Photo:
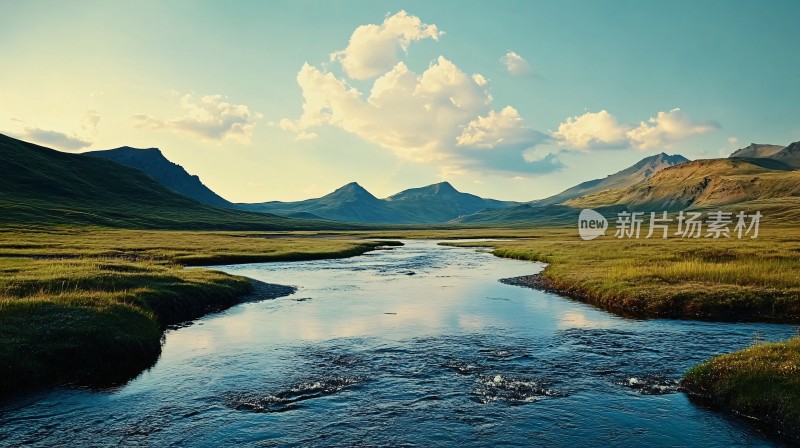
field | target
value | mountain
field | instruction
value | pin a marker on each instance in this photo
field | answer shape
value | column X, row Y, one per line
column 350, row 203
column 756, row 150
column 435, row 203
column 789, row 155
column 39, row 185
column 153, row 163
column 552, row 210
column 440, row 203
column 634, row 174
column 703, row 183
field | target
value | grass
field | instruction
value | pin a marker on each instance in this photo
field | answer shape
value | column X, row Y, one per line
column 90, row 305
column 41, row 186
column 762, row 381
column 725, row 279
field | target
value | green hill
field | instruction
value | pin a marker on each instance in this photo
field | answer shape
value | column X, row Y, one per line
column 39, row 185
column 173, row 176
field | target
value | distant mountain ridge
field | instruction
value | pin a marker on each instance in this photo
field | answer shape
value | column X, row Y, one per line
column 703, row 183
column 756, row 150
column 173, row 176
column 552, row 209
column 638, row 172
column 435, row 203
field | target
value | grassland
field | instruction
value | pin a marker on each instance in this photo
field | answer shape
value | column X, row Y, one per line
column 90, row 305
column 725, row 279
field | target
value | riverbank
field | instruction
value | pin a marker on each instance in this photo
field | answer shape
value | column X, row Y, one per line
column 723, row 280
column 89, row 306
column 761, row 382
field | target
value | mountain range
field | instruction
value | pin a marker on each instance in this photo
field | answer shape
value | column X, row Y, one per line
column 435, row 203
column 128, row 187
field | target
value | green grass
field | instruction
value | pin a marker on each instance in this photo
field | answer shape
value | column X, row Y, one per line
column 90, row 305
column 726, row 279
column 47, row 187
column 762, row 381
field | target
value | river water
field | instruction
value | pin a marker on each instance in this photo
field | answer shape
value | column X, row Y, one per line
column 418, row 345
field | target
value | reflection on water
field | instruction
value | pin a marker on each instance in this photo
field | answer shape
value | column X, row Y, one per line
column 414, row 346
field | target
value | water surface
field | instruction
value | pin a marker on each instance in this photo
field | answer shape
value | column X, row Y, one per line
column 414, row 346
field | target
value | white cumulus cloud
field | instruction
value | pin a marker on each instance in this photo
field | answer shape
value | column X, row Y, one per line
column 373, row 49
column 667, row 128
column 592, row 130
column 210, row 117
column 515, row 64
column 497, row 128
column 595, row 130
column 442, row 115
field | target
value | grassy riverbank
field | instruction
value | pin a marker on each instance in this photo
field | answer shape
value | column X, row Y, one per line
column 90, row 305
column 726, row 279
column 762, row 382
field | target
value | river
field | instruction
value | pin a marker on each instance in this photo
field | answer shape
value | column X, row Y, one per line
column 417, row 345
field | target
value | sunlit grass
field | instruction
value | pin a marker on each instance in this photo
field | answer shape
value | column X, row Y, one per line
column 762, row 381
column 90, row 304
column 752, row 279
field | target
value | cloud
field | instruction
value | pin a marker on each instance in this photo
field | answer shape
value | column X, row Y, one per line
column 497, row 129
column 667, row 128
column 515, row 64
column 81, row 138
column 373, row 49
column 442, row 115
column 598, row 130
column 210, row 118
column 592, row 130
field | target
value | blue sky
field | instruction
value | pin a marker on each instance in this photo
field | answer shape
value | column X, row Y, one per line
column 512, row 100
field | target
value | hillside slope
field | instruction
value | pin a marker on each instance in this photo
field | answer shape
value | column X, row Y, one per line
column 173, row 176
column 39, row 185
column 638, row 172
column 703, row 183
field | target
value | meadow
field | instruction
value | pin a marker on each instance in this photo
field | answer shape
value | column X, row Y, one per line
column 89, row 306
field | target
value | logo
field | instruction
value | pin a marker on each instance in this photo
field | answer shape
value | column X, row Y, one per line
column 591, row 224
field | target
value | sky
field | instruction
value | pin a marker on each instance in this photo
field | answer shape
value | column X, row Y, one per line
column 513, row 100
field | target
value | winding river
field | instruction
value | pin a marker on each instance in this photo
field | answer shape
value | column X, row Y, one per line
column 418, row 345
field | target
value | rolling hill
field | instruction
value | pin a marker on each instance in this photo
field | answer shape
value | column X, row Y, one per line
column 634, row 174
column 435, row 203
column 553, row 210
column 756, row 150
column 153, row 163
column 703, row 184
column 39, row 185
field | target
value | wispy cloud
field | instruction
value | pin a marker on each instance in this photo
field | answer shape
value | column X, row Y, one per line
column 211, row 117
column 516, row 64
column 80, row 138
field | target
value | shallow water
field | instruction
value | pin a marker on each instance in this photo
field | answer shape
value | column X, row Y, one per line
column 414, row 346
